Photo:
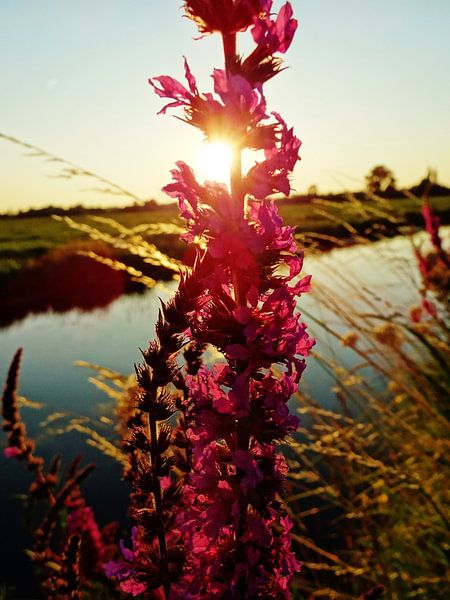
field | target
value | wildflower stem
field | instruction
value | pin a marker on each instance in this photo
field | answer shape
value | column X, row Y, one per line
column 230, row 53
column 238, row 198
column 158, row 501
column 242, row 435
column 243, row 443
column 236, row 179
column 229, row 50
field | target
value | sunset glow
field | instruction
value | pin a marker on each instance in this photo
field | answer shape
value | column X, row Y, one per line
column 214, row 162
column 87, row 97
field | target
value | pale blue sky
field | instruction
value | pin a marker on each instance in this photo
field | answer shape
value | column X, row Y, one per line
column 368, row 83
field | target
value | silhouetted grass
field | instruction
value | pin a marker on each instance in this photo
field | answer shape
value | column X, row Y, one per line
column 368, row 489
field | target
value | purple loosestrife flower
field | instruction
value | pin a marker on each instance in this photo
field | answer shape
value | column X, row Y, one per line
column 234, row 112
column 432, row 225
column 227, row 520
column 238, row 543
column 244, row 399
column 272, row 174
column 123, row 569
column 434, row 267
column 275, row 35
column 225, row 16
column 438, row 259
column 81, row 521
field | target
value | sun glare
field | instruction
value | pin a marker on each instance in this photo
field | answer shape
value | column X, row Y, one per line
column 214, row 162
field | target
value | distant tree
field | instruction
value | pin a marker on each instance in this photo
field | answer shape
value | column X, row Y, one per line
column 380, row 180
column 313, row 190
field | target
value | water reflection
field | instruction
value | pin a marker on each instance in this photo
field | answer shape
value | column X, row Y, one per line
column 107, row 328
column 72, row 281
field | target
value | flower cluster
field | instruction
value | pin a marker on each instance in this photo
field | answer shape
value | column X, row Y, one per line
column 434, row 266
column 208, row 504
column 432, row 225
column 224, row 16
column 238, row 544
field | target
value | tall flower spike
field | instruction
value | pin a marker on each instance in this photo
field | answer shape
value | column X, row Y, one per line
column 225, row 519
column 276, row 35
column 234, row 113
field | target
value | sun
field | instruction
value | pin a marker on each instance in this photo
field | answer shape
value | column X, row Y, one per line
column 214, row 162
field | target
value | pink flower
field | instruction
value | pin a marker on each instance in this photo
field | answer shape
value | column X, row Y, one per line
column 243, row 101
column 276, row 35
column 189, row 193
column 434, row 264
column 12, row 452
column 235, row 113
column 416, row 314
column 429, row 307
column 243, row 303
column 276, row 340
column 123, row 569
column 174, row 90
column 244, row 460
column 81, row 520
column 272, row 174
column 226, row 16
column 432, row 225
column 422, row 262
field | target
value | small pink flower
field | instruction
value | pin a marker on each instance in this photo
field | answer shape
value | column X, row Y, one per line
column 240, row 97
column 226, row 16
column 276, row 35
column 12, row 452
column 234, row 113
column 416, row 313
column 81, row 520
column 245, row 461
column 168, row 87
column 429, row 307
column 272, row 175
column 123, row 569
column 432, row 225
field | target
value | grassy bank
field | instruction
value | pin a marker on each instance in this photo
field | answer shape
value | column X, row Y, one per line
column 23, row 239
column 319, row 223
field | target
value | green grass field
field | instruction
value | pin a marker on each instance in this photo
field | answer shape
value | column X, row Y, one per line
column 26, row 238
